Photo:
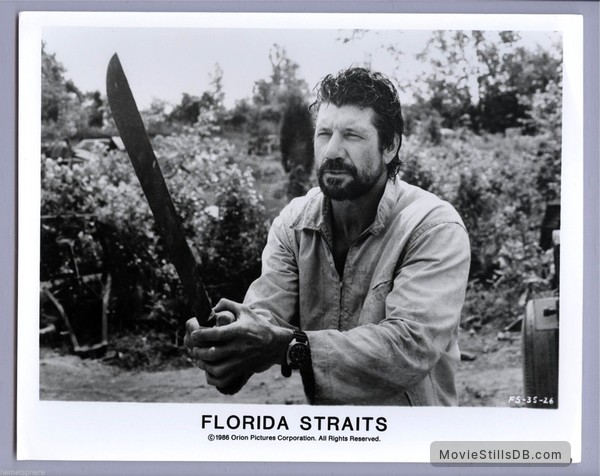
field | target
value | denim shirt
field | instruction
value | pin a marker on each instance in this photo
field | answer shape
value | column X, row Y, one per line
column 385, row 333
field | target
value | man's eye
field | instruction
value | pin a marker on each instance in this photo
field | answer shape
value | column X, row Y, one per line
column 353, row 135
column 323, row 134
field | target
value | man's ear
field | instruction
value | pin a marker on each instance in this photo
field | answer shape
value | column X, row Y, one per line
column 390, row 152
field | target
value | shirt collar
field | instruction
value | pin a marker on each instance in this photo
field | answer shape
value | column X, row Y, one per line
column 317, row 211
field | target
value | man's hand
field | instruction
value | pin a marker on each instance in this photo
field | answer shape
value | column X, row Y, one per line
column 243, row 343
column 222, row 319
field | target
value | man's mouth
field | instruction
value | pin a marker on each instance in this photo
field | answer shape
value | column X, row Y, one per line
column 338, row 172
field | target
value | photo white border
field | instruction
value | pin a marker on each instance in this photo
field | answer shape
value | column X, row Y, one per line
column 51, row 430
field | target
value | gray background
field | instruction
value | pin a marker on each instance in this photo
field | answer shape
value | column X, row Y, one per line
column 8, row 236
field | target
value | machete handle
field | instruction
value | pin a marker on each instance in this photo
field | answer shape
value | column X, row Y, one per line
column 238, row 383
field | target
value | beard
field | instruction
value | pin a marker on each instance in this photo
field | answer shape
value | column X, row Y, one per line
column 340, row 188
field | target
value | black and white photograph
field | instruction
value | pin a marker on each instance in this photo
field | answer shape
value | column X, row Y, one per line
column 301, row 215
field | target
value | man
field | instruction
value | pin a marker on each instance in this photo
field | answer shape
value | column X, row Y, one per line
column 363, row 278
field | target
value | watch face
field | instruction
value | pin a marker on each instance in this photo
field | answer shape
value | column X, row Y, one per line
column 298, row 355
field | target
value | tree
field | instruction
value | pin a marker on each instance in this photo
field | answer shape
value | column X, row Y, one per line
column 202, row 110
column 187, row 111
column 156, row 117
column 95, row 106
column 297, row 148
column 61, row 101
column 514, row 75
column 479, row 79
column 283, row 80
column 217, row 92
column 271, row 97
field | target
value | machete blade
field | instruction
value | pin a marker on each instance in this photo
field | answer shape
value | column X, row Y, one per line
column 133, row 133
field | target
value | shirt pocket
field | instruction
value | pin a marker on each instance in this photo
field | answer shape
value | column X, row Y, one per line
column 373, row 311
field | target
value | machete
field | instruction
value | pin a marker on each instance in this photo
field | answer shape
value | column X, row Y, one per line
column 133, row 133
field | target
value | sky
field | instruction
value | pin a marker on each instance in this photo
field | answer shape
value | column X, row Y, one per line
column 163, row 63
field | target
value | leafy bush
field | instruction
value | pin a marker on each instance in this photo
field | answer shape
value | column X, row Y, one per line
column 99, row 208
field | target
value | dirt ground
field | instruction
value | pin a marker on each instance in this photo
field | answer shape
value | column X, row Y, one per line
column 488, row 380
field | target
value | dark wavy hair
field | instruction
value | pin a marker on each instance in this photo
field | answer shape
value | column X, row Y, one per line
column 365, row 88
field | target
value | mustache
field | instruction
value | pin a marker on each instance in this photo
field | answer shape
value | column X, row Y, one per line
column 337, row 165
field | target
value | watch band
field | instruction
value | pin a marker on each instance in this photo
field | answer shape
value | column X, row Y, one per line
column 300, row 336
column 286, row 370
column 297, row 355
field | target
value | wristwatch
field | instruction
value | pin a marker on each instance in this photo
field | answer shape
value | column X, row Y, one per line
column 298, row 354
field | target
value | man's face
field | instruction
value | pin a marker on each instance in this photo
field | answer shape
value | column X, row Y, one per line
column 347, row 154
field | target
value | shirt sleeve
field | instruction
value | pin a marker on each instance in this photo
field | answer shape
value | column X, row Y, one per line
column 275, row 293
column 422, row 314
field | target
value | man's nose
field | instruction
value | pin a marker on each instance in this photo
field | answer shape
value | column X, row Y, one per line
column 334, row 147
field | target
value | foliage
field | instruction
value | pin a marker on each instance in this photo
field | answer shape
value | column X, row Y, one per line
column 156, row 118
column 283, row 80
column 544, row 118
column 99, row 206
column 220, row 206
column 271, row 97
column 61, row 111
column 480, row 79
column 297, row 150
column 205, row 109
column 67, row 113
